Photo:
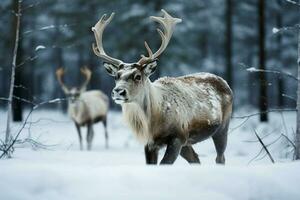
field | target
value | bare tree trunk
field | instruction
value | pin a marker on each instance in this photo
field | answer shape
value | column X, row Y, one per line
column 251, row 86
column 297, row 140
column 13, row 68
column 58, row 57
column 228, row 43
column 17, row 104
column 281, row 87
column 263, row 99
column 280, row 78
column 29, row 70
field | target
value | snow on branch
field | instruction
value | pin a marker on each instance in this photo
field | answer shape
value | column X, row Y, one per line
column 32, row 5
column 283, row 29
column 18, row 98
column 40, row 47
column 31, row 58
column 289, row 97
column 48, row 28
column 255, row 70
column 293, row 2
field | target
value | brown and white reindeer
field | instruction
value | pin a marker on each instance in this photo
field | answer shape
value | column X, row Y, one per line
column 85, row 108
column 172, row 112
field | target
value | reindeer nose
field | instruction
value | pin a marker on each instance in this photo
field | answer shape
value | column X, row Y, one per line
column 120, row 92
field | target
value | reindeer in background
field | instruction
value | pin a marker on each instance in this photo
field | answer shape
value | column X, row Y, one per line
column 85, row 108
column 172, row 112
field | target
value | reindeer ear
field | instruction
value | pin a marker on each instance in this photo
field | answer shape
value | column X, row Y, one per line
column 110, row 68
column 149, row 68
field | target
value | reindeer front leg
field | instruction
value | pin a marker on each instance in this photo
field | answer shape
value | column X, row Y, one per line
column 172, row 151
column 151, row 154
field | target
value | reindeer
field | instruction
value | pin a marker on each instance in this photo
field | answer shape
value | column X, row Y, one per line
column 172, row 112
column 85, row 108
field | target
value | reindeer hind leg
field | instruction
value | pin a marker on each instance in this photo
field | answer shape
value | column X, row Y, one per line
column 220, row 141
column 106, row 133
column 89, row 136
column 79, row 135
column 92, row 135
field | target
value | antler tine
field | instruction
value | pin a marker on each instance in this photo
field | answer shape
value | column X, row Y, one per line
column 59, row 73
column 98, row 32
column 87, row 73
column 168, row 24
column 145, row 59
column 150, row 53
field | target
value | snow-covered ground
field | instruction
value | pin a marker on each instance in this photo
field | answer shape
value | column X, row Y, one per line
column 61, row 171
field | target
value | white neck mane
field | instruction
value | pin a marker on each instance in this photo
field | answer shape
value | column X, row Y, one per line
column 138, row 114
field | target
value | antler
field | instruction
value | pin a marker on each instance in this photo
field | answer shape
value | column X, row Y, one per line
column 98, row 31
column 168, row 23
column 59, row 73
column 87, row 73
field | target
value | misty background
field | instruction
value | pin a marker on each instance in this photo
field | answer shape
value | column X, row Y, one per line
column 218, row 36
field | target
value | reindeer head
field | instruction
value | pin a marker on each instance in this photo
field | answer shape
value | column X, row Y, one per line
column 73, row 93
column 131, row 77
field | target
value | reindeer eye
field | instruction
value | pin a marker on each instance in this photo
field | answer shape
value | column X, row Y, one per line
column 137, row 77
column 136, row 65
column 121, row 66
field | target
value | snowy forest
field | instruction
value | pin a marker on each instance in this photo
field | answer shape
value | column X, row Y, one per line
column 71, row 127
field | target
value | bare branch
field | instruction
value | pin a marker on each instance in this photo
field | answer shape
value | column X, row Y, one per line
column 268, row 111
column 34, row 144
column 23, row 100
column 53, row 101
column 46, row 119
column 18, row 98
column 44, row 28
column 255, row 70
column 260, row 151
column 289, row 140
column 284, row 29
column 21, row 86
column 28, row 59
column 265, row 136
column 289, row 97
column 257, row 159
column 238, row 126
column 32, row 5
column 264, row 146
column 8, row 147
column 277, row 139
column 283, row 122
column 293, row 2
column 4, row 99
